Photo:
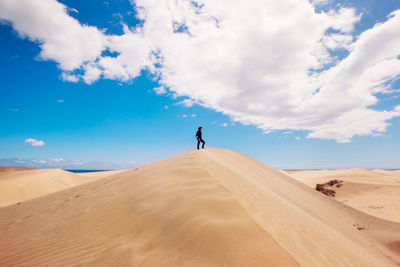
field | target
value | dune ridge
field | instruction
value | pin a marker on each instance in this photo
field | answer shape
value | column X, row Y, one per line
column 14, row 168
column 211, row 207
column 19, row 184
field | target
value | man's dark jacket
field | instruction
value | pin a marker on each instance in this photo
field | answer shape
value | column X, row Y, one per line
column 198, row 134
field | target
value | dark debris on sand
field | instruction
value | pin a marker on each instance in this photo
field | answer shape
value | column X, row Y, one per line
column 326, row 188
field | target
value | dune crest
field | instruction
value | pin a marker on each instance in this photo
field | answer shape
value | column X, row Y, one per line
column 13, row 169
column 211, row 207
column 19, row 184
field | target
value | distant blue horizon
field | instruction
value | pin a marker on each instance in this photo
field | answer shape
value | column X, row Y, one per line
column 83, row 171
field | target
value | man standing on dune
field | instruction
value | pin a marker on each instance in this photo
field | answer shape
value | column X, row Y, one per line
column 199, row 139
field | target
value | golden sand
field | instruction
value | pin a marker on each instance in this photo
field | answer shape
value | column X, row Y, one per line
column 211, row 207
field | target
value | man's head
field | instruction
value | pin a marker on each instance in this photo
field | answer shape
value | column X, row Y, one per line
column 200, row 128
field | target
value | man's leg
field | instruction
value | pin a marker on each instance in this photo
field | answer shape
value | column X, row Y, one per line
column 203, row 143
column 198, row 144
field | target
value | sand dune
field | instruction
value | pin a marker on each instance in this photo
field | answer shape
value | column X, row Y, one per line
column 13, row 169
column 205, row 208
column 376, row 192
column 18, row 184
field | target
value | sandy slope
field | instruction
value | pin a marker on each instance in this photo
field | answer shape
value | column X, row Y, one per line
column 19, row 184
column 205, row 208
column 13, row 169
column 376, row 192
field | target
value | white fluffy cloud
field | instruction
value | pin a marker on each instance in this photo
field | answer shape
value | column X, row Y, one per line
column 34, row 142
column 335, row 41
column 269, row 65
column 160, row 90
column 61, row 37
column 187, row 103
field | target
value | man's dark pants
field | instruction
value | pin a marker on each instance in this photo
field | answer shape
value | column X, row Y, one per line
column 198, row 143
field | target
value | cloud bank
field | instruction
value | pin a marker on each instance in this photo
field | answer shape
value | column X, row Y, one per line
column 274, row 64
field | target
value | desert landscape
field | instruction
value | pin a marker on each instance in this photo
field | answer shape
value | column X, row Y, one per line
column 375, row 192
column 200, row 133
column 211, row 207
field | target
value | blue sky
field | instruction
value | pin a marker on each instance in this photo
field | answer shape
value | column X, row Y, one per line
column 116, row 118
